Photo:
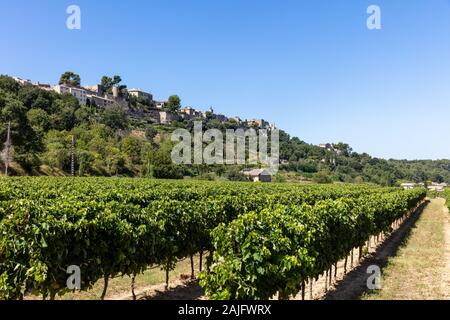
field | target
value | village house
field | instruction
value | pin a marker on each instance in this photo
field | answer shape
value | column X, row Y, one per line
column 259, row 123
column 157, row 113
column 78, row 93
column 97, row 90
column 160, row 104
column 103, row 102
column 408, row 186
column 138, row 93
column 190, row 113
column 330, row 147
column 23, row 81
column 43, row 86
column 236, row 119
column 258, row 175
column 438, row 187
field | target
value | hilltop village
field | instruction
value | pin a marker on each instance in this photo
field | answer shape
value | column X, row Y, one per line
column 138, row 103
column 108, row 129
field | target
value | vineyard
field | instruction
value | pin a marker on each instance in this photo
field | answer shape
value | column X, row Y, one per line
column 447, row 197
column 263, row 239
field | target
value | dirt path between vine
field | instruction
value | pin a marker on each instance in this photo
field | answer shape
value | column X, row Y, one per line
column 446, row 273
column 354, row 284
column 414, row 264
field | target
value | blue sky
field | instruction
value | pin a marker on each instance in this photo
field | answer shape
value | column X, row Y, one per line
column 312, row 67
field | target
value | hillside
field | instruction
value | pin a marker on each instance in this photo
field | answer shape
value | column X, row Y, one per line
column 121, row 141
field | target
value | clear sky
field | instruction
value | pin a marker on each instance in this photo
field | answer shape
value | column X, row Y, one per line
column 312, row 67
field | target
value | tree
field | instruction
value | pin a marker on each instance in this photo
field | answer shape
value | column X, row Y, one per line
column 37, row 98
column 132, row 146
column 22, row 134
column 71, row 79
column 344, row 148
column 7, row 153
column 85, row 114
column 322, row 177
column 57, row 152
column 150, row 133
column 174, row 103
column 9, row 84
column 160, row 163
column 38, row 119
column 234, row 174
column 438, row 178
column 108, row 83
column 115, row 117
column 64, row 117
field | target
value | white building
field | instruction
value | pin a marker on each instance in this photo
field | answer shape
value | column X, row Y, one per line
column 23, row 81
column 438, row 187
column 160, row 104
column 78, row 93
column 258, row 175
column 408, row 186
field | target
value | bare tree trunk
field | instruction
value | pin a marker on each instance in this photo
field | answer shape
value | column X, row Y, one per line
column 105, row 286
column 311, row 288
column 192, row 267
column 208, row 267
column 345, row 264
column 303, row 290
column 201, row 261
column 133, row 283
column 167, row 277
column 351, row 259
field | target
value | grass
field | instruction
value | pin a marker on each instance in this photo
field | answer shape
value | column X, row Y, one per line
column 416, row 272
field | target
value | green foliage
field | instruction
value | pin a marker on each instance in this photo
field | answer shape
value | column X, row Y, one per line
column 71, row 79
column 8, row 84
column 235, row 174
column 174, row 103
column 282, row 246
column 38, row 119
column 108, row 84
column 115, row 117
column 447, row 197
column 323, row 177
column 114, row 227
column 160, row 163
